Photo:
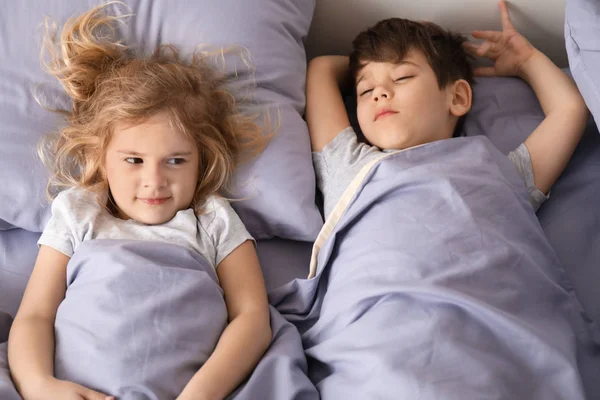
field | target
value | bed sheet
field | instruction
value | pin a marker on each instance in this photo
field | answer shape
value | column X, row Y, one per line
column 281, row 260
column 507, row 111
column 462, row 277
column 18, row 250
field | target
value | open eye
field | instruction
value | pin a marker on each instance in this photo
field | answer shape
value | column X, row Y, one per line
column 134, row 160
column 175, row 161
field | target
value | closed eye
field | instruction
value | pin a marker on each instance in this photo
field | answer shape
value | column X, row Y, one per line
column 365, row 92
column 134, row 160
column 403, row 78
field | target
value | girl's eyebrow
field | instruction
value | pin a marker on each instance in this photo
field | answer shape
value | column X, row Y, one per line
column 137, row 154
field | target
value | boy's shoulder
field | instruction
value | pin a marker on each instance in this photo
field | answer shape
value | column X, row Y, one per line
column 347, row 141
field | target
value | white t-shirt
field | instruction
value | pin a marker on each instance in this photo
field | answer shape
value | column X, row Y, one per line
column 77, row 216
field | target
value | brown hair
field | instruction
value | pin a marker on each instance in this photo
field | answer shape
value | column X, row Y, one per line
column 390, row 40
column 108, row 85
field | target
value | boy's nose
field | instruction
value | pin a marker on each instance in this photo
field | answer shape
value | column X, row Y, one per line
column 381, row 93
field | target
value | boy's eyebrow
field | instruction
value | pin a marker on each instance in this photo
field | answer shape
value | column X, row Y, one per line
column 137, row 154
column 361, row 77
column 408, row 62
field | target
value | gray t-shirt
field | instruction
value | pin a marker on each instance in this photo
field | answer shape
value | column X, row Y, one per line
column 341, row 160
column 77, row 216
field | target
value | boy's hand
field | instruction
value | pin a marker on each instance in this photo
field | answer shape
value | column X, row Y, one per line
column 508, row 49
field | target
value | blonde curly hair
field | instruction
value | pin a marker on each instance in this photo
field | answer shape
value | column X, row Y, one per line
column 108, row 86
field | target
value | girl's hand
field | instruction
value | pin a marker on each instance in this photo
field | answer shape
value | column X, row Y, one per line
column 56, row 389
column 508, row 49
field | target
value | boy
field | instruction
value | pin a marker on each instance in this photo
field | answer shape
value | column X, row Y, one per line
column 432, row 277
column 413, row 85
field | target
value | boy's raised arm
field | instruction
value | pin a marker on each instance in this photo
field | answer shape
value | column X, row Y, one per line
column 325, row 111
column 553, row 142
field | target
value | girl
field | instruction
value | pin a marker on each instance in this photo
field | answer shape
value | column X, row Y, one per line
column 148, row 146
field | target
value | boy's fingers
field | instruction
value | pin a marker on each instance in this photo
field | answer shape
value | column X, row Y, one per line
column 485, row 71
column 483, row 48
column 470, row 47
column 504, row 15
column 487, row 35
column 479, row 50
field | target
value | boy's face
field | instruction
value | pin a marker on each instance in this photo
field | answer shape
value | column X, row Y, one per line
column 401, row 105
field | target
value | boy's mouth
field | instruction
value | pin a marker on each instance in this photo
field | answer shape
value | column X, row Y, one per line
column 383, row 113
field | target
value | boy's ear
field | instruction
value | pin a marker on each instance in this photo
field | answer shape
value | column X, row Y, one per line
column 461, row 98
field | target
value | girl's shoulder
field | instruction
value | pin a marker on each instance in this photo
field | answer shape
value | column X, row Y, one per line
column 77, row 201
column 216, row 204
column 219, row 218
column 220, row 228
column 215, row 208
column 76, row 194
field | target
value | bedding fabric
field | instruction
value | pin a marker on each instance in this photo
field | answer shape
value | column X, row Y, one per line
column 279, row 186
column 148, row 315
column 18, row 251
column 7, row 389
column 280, row 260
column 435, row 280
column 5, row 323
column 582, row 40
column 506, row 111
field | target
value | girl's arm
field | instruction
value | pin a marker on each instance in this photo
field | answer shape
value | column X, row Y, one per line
column 248, row 334
column 31, row 339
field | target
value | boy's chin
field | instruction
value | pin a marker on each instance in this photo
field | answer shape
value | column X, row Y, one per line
column 391, row 142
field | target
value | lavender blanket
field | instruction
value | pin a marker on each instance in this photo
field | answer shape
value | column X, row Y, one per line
column 432, row 279
column 140, row 318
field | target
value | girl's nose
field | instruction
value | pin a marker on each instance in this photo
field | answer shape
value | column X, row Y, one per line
column 154, row 177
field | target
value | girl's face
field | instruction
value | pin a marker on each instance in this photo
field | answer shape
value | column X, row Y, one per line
column 152, row 170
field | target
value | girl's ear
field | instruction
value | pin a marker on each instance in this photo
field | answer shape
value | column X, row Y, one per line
column 461, row 98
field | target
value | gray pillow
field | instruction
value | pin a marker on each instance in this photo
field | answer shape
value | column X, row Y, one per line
column 582, row 39
column 279, row 185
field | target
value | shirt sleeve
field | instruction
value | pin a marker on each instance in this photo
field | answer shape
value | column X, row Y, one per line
column 60, row 232
column 338, row 163
column 521, row 158
column 225, row 228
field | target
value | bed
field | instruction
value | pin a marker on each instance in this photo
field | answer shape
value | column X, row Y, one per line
column 281, row 211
